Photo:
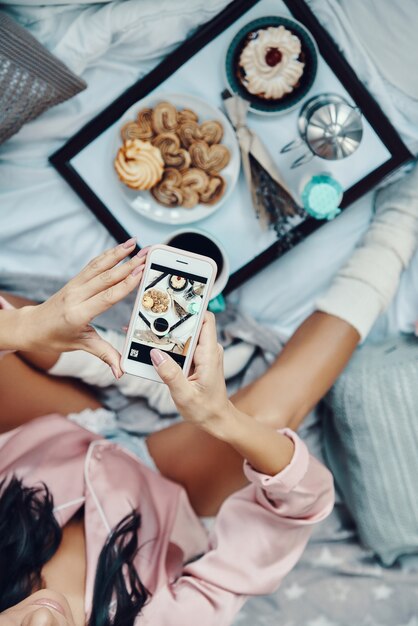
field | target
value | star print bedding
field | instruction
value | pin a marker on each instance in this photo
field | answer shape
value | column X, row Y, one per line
column 45, row 230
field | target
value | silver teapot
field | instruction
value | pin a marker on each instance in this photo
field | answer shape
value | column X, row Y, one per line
column 329, row 127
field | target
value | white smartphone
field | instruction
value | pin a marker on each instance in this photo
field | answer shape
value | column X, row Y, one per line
column 169, row 308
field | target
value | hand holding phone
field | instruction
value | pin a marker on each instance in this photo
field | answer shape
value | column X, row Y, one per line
column 202, row 397
column 169, row 309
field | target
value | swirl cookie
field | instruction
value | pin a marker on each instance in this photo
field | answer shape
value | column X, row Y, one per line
column 147, row 302
column 185, row 115
column 139, row 164
column 164, row 118
column 140, row 129
column 210, row 131
column 168, row 192
column 144, row 121
column 171, row 151
column 131, row 130
column 194, row 183
column 211, row 159
column 213, row 191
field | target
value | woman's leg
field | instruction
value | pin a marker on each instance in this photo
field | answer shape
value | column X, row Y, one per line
column 305, row 370
column 27, row 393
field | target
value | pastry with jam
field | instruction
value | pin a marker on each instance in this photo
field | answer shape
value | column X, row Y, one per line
column 271, row 62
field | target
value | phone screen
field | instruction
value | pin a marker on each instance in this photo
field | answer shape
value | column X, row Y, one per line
column 169, row 310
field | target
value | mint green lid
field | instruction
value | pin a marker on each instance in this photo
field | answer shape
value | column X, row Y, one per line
column 321, row 197
column 194, row 307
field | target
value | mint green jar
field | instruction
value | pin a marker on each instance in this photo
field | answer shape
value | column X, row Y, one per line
column 321, row 197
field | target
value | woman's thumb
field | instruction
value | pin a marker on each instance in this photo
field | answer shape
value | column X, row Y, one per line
column 105, row 351
column 171, row 374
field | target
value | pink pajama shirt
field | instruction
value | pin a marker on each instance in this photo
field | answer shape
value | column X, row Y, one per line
column 259, row 534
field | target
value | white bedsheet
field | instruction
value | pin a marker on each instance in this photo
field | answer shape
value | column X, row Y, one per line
column 45, row 228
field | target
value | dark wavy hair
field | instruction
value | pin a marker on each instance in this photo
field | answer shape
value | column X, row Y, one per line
column 30, row 536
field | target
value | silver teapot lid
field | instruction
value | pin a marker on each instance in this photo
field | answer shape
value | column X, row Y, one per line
column 331, row 127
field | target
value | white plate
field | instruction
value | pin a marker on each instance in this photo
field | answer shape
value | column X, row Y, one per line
column 151, row 313
column 143, row 202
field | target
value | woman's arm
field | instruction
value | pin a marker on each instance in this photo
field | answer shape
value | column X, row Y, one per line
column 62, row 323
column 11, row 329
column 202, row 399
column 259, row 535
column 212, row 468
column 260, row 531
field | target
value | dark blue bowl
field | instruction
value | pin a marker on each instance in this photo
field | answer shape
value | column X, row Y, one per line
column 308, row 55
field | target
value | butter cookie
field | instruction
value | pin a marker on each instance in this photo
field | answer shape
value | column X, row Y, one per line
column 210, row 131
column 211, row 159
column 168, row 191
column 139, row 164
column 171, row 151
column 164, row 118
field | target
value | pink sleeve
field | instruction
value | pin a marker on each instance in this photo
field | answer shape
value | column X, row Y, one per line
column 259, row 535
column 5, row 305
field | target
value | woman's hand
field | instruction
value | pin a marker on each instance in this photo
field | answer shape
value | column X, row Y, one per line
column 62, row 323
column 202, row 397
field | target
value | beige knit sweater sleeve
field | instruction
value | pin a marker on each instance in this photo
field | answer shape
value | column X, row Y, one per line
column 365, row 285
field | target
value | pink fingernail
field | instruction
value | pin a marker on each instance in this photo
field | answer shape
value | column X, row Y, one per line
column 137, row 270
column 128, row 244
column 143, row 252
column 157, row 357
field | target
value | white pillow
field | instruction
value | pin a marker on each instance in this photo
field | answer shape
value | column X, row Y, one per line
column 387, row 30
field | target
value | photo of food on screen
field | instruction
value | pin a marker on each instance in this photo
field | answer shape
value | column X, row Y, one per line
column 168, row 313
